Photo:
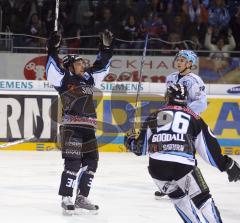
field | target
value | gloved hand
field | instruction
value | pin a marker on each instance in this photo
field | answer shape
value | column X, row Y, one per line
column 54, row 41
column 130, row 139
column 233, row 170
column 106, row 38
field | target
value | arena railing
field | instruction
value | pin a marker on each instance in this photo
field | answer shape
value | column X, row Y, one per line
column 24, row 43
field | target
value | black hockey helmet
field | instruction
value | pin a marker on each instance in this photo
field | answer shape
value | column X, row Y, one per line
column 68, row 60
column 176, row 94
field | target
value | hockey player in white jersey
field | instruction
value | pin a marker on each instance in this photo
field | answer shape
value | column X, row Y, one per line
column 171, row 136
column 184, row 61
column 197, row 100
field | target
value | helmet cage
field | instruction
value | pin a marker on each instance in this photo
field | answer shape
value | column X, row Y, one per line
column 176, row 94
column 68, row 60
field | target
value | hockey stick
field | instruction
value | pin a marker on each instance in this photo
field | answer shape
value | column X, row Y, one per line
column 56, row 16
column 37, row 131
column 140, row 81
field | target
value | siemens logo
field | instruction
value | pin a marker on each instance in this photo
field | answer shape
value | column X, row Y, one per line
column 16, row 85
column 120, row 87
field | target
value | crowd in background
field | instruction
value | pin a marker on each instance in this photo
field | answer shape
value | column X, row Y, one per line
column 205, row 24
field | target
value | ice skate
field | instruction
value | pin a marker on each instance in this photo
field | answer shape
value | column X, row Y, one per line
column 84, row 206
column 67, row 205
column 159, row 195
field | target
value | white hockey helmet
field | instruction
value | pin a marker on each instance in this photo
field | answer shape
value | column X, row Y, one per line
column 189, row 55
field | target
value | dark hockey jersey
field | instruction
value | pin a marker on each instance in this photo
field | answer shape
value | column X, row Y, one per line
column 175, row 134
column 76, row 92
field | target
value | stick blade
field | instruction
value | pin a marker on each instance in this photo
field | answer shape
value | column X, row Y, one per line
column 38, row 127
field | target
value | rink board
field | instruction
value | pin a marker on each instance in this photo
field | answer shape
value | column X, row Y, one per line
column 235, row 150
column 115, row 116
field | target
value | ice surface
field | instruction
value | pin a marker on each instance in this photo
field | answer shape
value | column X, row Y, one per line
column 122, row 188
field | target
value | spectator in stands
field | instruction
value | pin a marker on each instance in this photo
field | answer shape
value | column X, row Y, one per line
column 221, row 47
column 142, row 8
column 235, row 26
column 143, row 28
column 219, row 60
column 174, row 44
column 74, row 43
column 196, row 11
column 157, row 30
column 177, row 25
column 82, row 14
column 106, row 22
column 233, row 6
column 15, row 15
column 194, row 43
column 196, row 30
column 130, row 32
column 218, row 15
column 36, row 28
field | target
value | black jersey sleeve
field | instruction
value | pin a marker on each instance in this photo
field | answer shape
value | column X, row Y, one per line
column 208, row 147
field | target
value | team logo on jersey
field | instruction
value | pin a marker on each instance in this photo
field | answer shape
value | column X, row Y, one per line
column 234, row 90
column 186, row 83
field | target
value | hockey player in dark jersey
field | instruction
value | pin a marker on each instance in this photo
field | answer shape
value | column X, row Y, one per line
column 171, row 136
column 197, row 100
column 75, row 82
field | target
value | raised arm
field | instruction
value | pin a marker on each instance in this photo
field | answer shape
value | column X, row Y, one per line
column 101, row 66
column 55, row 73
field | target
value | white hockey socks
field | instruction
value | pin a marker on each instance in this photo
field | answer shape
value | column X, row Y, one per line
column 210, row 212
column 186, row 210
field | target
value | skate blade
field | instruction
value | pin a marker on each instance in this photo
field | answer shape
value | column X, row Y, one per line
column 81, row 211
column 68, row 212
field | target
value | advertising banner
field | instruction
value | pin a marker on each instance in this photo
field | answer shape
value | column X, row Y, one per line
column 125, row 68
column 110, row 87
column 220, row 70
column 122, row 68
column 18, row 117
column 115, row 117
column 222, row 115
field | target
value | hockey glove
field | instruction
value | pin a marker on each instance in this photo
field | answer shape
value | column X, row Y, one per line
column 106, row 38
column 130, row 139
column 54, row 41
column 233, row 170
column 132, row 142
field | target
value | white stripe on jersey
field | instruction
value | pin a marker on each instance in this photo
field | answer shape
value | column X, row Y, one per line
column 54, row 74
column 101, row 74
column 174, row 157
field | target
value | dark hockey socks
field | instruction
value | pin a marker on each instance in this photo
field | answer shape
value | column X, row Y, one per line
column 67, row 183
column 85, row 182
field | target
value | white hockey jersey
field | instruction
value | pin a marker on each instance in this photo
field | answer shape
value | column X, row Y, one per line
column 197, row 99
